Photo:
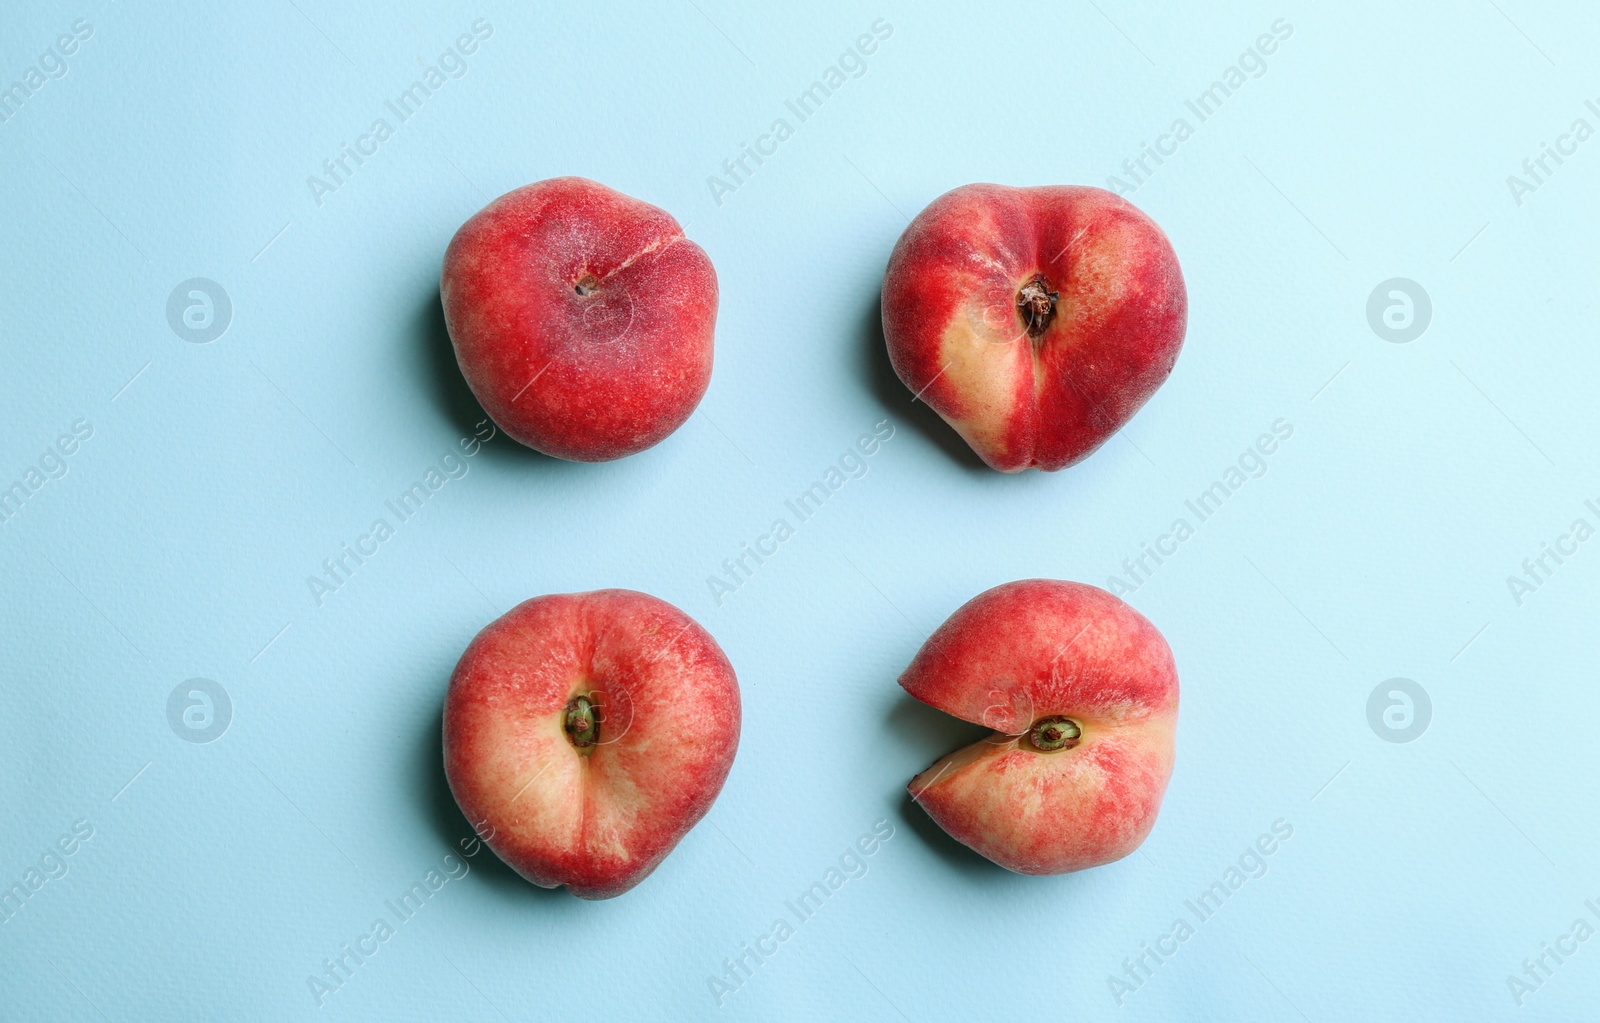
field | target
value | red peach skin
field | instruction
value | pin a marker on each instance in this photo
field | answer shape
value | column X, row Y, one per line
column 597, row 819
column 582, row 318
column 1110, row 313
column 1032, row 651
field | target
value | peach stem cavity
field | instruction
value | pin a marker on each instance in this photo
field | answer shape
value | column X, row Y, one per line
column 581, row 724
column 1037, row 304
column 1052, row 735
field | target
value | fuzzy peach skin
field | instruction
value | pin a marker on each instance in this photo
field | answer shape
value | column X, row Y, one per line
column 582, row 318
column 1042, row 376
column 596, row 818
column 1029, row 652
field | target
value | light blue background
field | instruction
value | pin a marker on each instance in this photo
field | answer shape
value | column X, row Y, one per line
column 1419, row 476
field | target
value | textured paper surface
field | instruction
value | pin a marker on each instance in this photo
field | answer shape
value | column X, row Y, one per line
column 1376, row 542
